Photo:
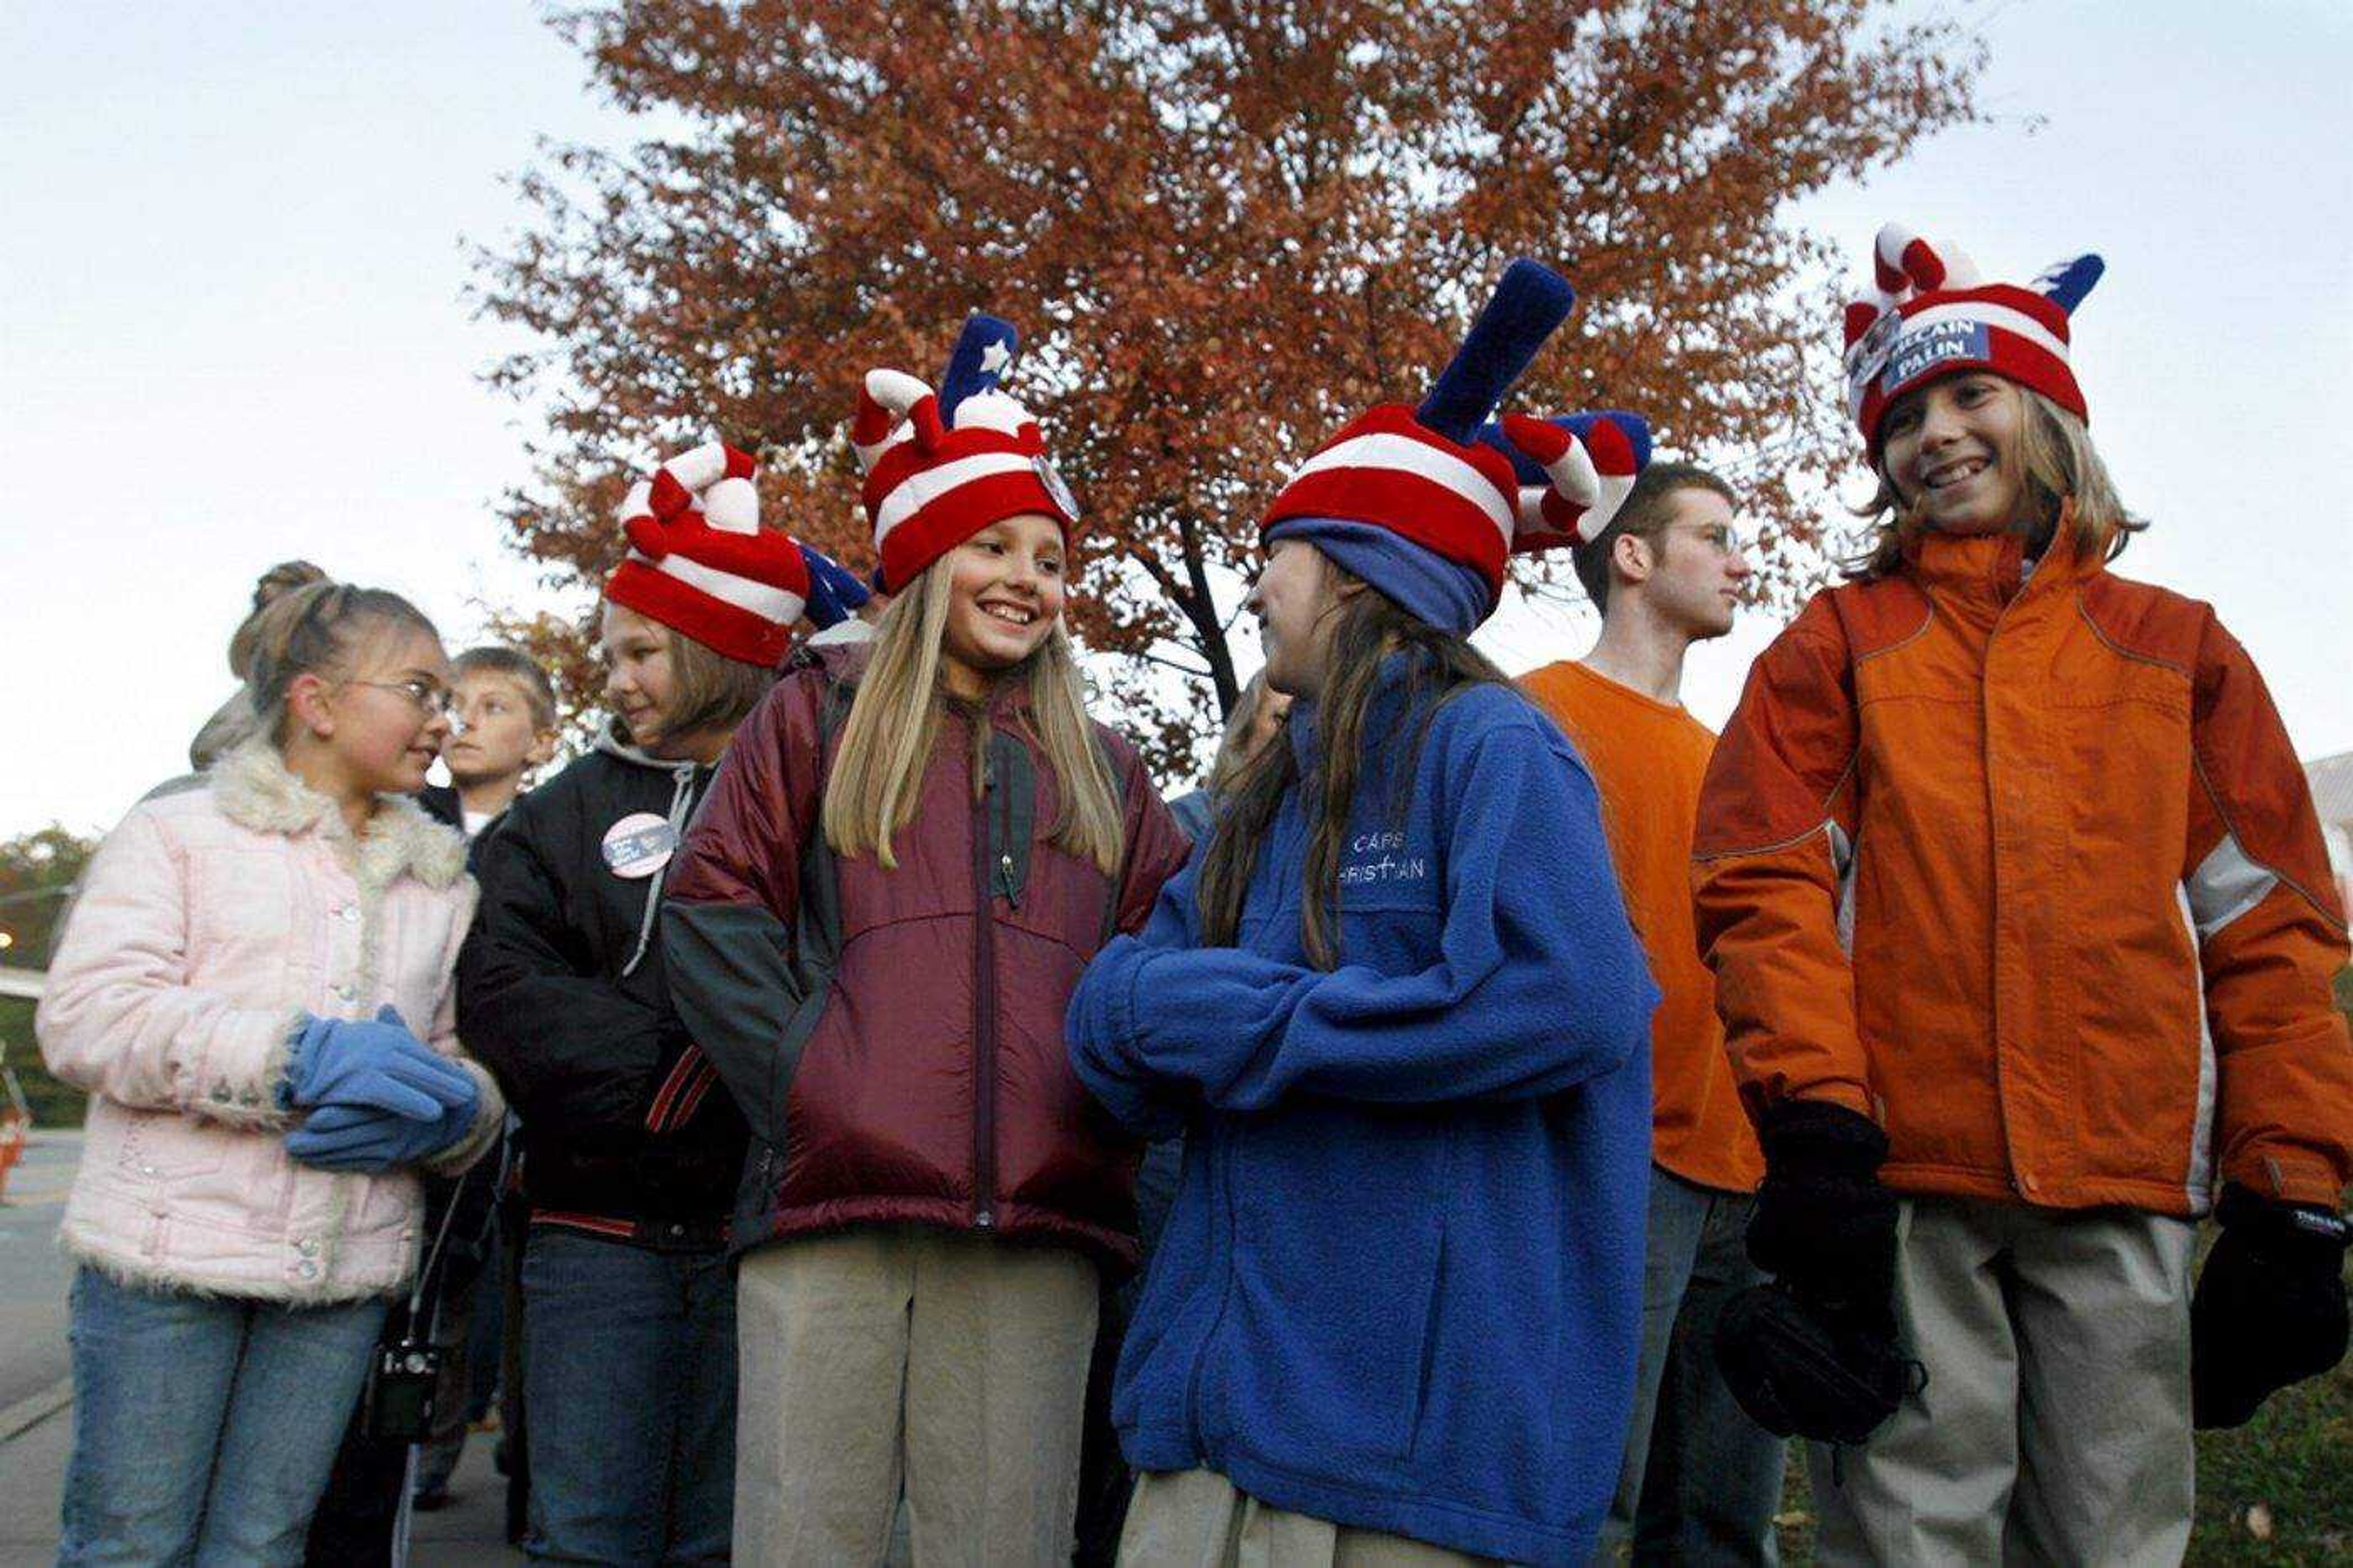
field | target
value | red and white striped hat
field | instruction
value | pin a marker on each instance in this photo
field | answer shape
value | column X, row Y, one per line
column 931, row 485
column 700, row 563
column 1929, row 315
column 1386, row 469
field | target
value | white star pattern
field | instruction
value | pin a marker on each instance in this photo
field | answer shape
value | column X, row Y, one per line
column 995, row 357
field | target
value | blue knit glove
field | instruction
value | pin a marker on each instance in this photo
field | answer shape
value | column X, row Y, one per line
column 835, row 593
column 360, row 1137
column 378, row 1063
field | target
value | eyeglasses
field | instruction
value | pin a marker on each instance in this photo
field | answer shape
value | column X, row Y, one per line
column 427, row 697
column 1714, row 534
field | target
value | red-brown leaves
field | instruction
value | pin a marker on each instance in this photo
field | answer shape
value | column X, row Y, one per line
column 1222, row 227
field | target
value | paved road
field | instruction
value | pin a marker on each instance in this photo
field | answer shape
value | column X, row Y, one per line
column 33, row 1363
column 33, row 1273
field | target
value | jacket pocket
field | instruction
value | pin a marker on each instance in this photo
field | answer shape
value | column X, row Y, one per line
column 800, row 1032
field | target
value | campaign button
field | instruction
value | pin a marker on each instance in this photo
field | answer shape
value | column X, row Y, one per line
column 640, row 845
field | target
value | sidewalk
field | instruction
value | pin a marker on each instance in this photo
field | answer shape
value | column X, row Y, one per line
column 37, row 1410
column 33, row 1473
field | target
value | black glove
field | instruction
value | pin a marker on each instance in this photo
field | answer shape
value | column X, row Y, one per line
column 1824, row 1225
column 2270, row 1306
column 1800, row 1372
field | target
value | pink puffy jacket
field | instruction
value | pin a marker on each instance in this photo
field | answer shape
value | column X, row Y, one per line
column 210, row 920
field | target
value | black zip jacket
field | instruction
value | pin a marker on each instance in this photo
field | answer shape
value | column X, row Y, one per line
column 626, row 1129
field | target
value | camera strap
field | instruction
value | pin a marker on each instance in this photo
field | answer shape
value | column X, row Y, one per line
column 433, row 1253
column 403, row 1515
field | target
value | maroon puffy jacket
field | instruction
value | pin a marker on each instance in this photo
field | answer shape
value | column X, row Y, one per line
column 900, row 1058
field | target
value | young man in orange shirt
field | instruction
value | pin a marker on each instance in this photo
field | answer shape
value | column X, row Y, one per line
column 1701, row 1480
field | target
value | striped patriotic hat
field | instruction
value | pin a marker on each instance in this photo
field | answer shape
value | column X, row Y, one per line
column 1930, row 315
column 1574, row 471
column 1425, row 474
column 700, row 563
column 941, row 465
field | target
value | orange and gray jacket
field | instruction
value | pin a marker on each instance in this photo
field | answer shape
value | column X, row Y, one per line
column 2019, row 863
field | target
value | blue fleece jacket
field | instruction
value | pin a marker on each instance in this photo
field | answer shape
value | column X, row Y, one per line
column 1401, row 1284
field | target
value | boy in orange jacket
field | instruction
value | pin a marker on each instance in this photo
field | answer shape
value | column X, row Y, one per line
column 2023, row 934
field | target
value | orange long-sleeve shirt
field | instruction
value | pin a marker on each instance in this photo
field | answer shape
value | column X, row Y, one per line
column 1649, row 758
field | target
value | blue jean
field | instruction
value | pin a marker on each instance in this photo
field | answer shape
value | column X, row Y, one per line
column 1700, row 1482
column 203, row 1426
column 629, row 1376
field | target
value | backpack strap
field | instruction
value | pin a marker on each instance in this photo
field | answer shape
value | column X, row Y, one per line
column 816, row 934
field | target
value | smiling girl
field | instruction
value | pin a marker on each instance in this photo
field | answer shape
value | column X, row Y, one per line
column 2023, row 932
column 914, row 846
column 232, row 990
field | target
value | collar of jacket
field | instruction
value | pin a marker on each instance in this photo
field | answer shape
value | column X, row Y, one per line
column 256, row 790
column 1008, row 704
column 1994, row 565
column 1381, row 714
column 1008, row 701
column 609, row 742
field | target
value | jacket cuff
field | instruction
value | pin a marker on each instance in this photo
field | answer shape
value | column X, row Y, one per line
column 236, row 1082
column 490, row 1114
column 2289, row 1178
column 1123, row 1027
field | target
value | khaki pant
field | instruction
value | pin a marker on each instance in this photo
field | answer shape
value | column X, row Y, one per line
column 1195, row 1518
column 955, row 1365
column 2055, row 1425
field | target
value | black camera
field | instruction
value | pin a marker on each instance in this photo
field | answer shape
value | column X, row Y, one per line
column 397, row 1406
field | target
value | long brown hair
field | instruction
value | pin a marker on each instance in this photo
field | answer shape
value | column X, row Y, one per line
column 894, row 721
column 2065, row 478
column 710, row 692
column 1234, row 747
column 1370, row 626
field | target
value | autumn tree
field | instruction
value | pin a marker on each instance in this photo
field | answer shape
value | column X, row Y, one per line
column 1223, row 226
column 38, row 871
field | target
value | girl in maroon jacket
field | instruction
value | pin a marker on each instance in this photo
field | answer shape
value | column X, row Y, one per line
column 910, row 855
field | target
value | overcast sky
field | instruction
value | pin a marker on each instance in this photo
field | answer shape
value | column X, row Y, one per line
column 232, row 327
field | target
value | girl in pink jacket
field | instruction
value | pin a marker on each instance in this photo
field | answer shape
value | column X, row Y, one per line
column 234, row 990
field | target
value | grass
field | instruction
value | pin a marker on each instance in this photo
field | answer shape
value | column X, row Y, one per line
column 2278, row 1491
column 2294, row 1462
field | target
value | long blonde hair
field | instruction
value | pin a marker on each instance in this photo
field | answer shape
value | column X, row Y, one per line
column 2062, row 467
column 894, row 721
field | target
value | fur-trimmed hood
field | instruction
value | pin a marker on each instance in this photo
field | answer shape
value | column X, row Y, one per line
column 256, row 790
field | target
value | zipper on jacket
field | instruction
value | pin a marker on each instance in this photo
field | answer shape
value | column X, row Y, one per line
column 1005, row 878
column 1993, row 833
column 1221, row 1190
column 984, row 1016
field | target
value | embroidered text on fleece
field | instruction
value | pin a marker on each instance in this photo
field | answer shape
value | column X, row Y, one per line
column 1400, row 1285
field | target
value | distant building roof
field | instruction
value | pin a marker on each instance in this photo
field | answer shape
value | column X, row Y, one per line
column 2331, row 779
column 2332, row 786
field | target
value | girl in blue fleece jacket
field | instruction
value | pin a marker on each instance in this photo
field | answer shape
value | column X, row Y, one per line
column 1399, row 1290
